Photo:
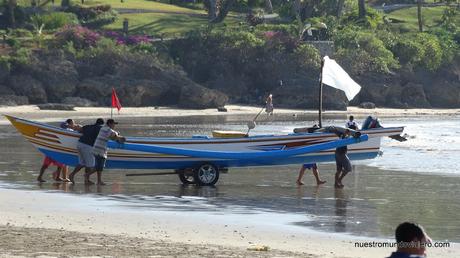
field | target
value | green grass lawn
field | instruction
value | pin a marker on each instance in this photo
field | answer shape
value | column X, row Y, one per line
column 431, row 17
column 164, row 24
column 175, row 19
column 128, row 4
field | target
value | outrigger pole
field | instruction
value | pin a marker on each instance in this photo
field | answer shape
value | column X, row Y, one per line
column 320, row 97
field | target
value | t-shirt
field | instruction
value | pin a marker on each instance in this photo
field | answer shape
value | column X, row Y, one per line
column 100, row 146
column 352, row 125
column 89, row 134
column 343, row 149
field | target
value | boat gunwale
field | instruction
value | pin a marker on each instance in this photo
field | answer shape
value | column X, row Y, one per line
column 189, row 140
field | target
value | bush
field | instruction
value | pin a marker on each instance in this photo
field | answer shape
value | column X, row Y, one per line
column 54, row 20
column 408, row 50
column 450, row 47
column 433, row 53
column 121, row 39
column 5, row 64
column 12, row 42
column 21, row 56
column 289, row 29
column 308, row 57
column 20, row 33
column 372, row 20
column 94, row 16
column 81, row 37
column 367, row 52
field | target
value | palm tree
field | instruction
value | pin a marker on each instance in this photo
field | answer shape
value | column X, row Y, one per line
column 419, row 15
column 11, row 6
column 340, row 4
column 362, row 8
column 269, row 6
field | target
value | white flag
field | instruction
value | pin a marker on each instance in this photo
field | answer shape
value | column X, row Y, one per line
column 336, row 77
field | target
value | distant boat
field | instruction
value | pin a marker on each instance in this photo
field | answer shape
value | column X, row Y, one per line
column 201, row 159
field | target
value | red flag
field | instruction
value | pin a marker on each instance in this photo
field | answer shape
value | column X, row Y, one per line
column 115, row 102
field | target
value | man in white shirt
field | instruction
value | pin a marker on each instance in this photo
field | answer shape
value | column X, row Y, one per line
column 352, row 124
column 106, row 133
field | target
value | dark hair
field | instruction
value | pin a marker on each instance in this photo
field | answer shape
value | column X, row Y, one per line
column 352, row 118
column 110, row 121
column 408, row 231
column 100, row 121
column 70, row 120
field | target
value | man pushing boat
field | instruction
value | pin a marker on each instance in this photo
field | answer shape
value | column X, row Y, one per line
column 106, row 133
column 85, row 150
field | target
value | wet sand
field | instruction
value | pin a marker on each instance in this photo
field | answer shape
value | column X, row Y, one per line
column 48, row 223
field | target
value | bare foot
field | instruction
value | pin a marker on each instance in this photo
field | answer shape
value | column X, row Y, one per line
column 320, row 182
column 65, row 180
column 100, row 183
column 89, row 182
column 55, row 176
column 71, row 178
column 58, row 179
column 40, row 180
column 299, row 182
column 338, row 186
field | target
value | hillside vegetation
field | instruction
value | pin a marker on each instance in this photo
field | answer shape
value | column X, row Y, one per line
column 231, row 51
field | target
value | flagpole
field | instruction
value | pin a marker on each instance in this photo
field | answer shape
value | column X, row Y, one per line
column 320, row 97
column 111, row 112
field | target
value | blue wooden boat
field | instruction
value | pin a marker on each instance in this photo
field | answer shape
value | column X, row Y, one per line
column 201, row 159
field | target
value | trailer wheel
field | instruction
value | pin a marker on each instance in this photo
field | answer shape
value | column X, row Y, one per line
column 206, row 174
column 186, row 177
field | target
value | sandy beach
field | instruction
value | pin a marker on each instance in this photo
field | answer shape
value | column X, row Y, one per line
column 45, row 223
column 34, row 113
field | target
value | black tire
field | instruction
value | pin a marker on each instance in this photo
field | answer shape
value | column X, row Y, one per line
column 206, row 174
column 185, row 177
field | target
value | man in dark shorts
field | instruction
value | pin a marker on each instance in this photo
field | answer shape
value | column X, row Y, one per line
column 341, row 160
column 85, row 150
column 314, row 168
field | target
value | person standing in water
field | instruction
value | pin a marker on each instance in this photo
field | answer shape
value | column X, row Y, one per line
column 342, row 161
column 68, row 125
column 269, row 105
column 106, row 133
column 85, row 150
column 314, row 168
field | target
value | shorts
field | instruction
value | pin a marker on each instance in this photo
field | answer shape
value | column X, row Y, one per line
column 343, row 163
column 85, row 155
column 310, row 166
column 48, row 162
column 100, row 162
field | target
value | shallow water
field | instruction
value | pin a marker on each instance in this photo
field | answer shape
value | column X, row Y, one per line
column 416, row 180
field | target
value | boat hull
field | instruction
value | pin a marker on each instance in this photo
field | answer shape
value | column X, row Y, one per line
column 60, row 145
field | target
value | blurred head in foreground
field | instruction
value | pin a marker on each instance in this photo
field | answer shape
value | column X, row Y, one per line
column 411, row 238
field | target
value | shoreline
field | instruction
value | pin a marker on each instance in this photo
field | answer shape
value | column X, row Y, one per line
column 167, row 232
column 32, row 112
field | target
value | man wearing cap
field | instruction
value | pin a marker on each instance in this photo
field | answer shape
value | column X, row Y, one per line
column 85, row 149
column 411, row 240
column 106, row 133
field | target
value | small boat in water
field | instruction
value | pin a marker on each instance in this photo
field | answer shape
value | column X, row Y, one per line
column 200, row 159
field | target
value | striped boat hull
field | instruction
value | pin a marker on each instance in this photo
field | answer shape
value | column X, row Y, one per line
column 60, row 145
